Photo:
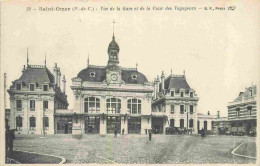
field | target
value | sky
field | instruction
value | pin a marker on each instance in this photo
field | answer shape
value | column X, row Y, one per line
column 219, row 50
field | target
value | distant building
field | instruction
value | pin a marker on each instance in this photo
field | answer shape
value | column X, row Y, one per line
column 34, row 98
column 242, row 112
column 205, row 121
column 174, row 105
column 111, row 97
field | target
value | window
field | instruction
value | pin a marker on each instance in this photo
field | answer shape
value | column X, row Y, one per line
column 191, row 109
column 251, row 92
column 46, row 123
column 91, row 104
column 19, row 105
column 113, row 105
column 172, row 109
column 181, row 123
column 32, row 123
column 191, row 123
column 238, row 111
column 172, row 93
column 18, row 86
column 249, row 109
column 45, row 87
column 182, row 94
column 191, row 94
column 134, row 106
column 19, row 123
column 171, row 122
column 31, row 87
column 45, row 105
column 182, row 109
column 32, row 105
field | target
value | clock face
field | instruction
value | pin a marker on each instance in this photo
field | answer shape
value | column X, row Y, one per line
column 114, row 77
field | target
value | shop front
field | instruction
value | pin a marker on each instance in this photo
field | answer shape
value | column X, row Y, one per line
column 157, row 125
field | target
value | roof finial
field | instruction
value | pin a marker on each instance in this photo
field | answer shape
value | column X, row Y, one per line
column 113, row 29
column 88, row 59
column 171, row 71
column 136, row 65
column 45, row 60
column 27, row 57
column 184, row 72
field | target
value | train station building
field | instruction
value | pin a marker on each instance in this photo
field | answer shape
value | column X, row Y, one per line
column 111, row 97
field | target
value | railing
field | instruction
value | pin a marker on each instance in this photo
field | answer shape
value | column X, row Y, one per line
column 36, row 66
column 32, row 109
column 32, row 128
column 129, row 69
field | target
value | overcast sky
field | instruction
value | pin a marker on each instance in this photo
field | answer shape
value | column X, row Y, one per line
column 219, row 50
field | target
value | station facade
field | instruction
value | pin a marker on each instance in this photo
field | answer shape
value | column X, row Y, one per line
column 174, row 104
column 34, row 98
column 111, row 97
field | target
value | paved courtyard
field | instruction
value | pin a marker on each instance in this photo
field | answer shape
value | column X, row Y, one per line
column 165, row 149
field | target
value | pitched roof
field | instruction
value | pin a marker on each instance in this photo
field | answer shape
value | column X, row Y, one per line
column 246, row 94
column 38, row 74
column 100, row 75
column 176, row 82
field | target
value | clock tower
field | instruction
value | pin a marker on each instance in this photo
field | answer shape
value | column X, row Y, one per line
column 113, row 70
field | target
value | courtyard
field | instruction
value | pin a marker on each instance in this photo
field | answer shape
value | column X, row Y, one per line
column 137, row 149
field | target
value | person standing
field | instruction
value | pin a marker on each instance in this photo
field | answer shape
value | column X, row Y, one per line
column 115, row 132
column 150, row 135
column 123, row 131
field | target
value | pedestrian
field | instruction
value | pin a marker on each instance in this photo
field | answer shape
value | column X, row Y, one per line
column 123, row 131
column 145, row 131
column 7, row 142
column 150, row 135
column 202, row 132
column 115, row 132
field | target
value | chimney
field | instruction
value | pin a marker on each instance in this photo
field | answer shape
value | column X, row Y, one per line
column 155, row 90
column 157, row 85
column 58, row 80
column 55, row 72
column 208, row 113
column 162, row 78
column 64, row 84
column 218, row 114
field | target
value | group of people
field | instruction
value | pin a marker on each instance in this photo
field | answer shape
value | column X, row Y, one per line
column 123, row 132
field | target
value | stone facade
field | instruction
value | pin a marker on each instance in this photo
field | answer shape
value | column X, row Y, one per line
column 242, row 112
column 34, row 97
column 109, row 98
column 174, row 102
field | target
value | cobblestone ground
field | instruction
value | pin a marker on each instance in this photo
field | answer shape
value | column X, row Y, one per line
column 165, row 149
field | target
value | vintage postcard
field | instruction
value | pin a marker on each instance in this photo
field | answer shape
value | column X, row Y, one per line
column 130, row 82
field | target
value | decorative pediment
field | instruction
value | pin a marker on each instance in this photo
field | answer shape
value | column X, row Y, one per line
column 76, row 79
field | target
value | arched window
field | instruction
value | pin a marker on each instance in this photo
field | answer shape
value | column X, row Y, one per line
column 32, row 123
column 113, row 105
column 19, row 123
column 134, row 106
column 91, row 104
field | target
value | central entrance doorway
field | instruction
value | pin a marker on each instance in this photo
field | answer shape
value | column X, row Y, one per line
column 157, row 125
column 92, row 124
column 134, row 125
column 112, row 123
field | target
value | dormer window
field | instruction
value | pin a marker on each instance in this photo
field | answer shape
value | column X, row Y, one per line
column 134, row 77
column 251, row 92
column 172, row 93
column 45, row 87
column 191, row 94
column 18, row 86
column 182, row 93
column 31, row 87
column 92, row 74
